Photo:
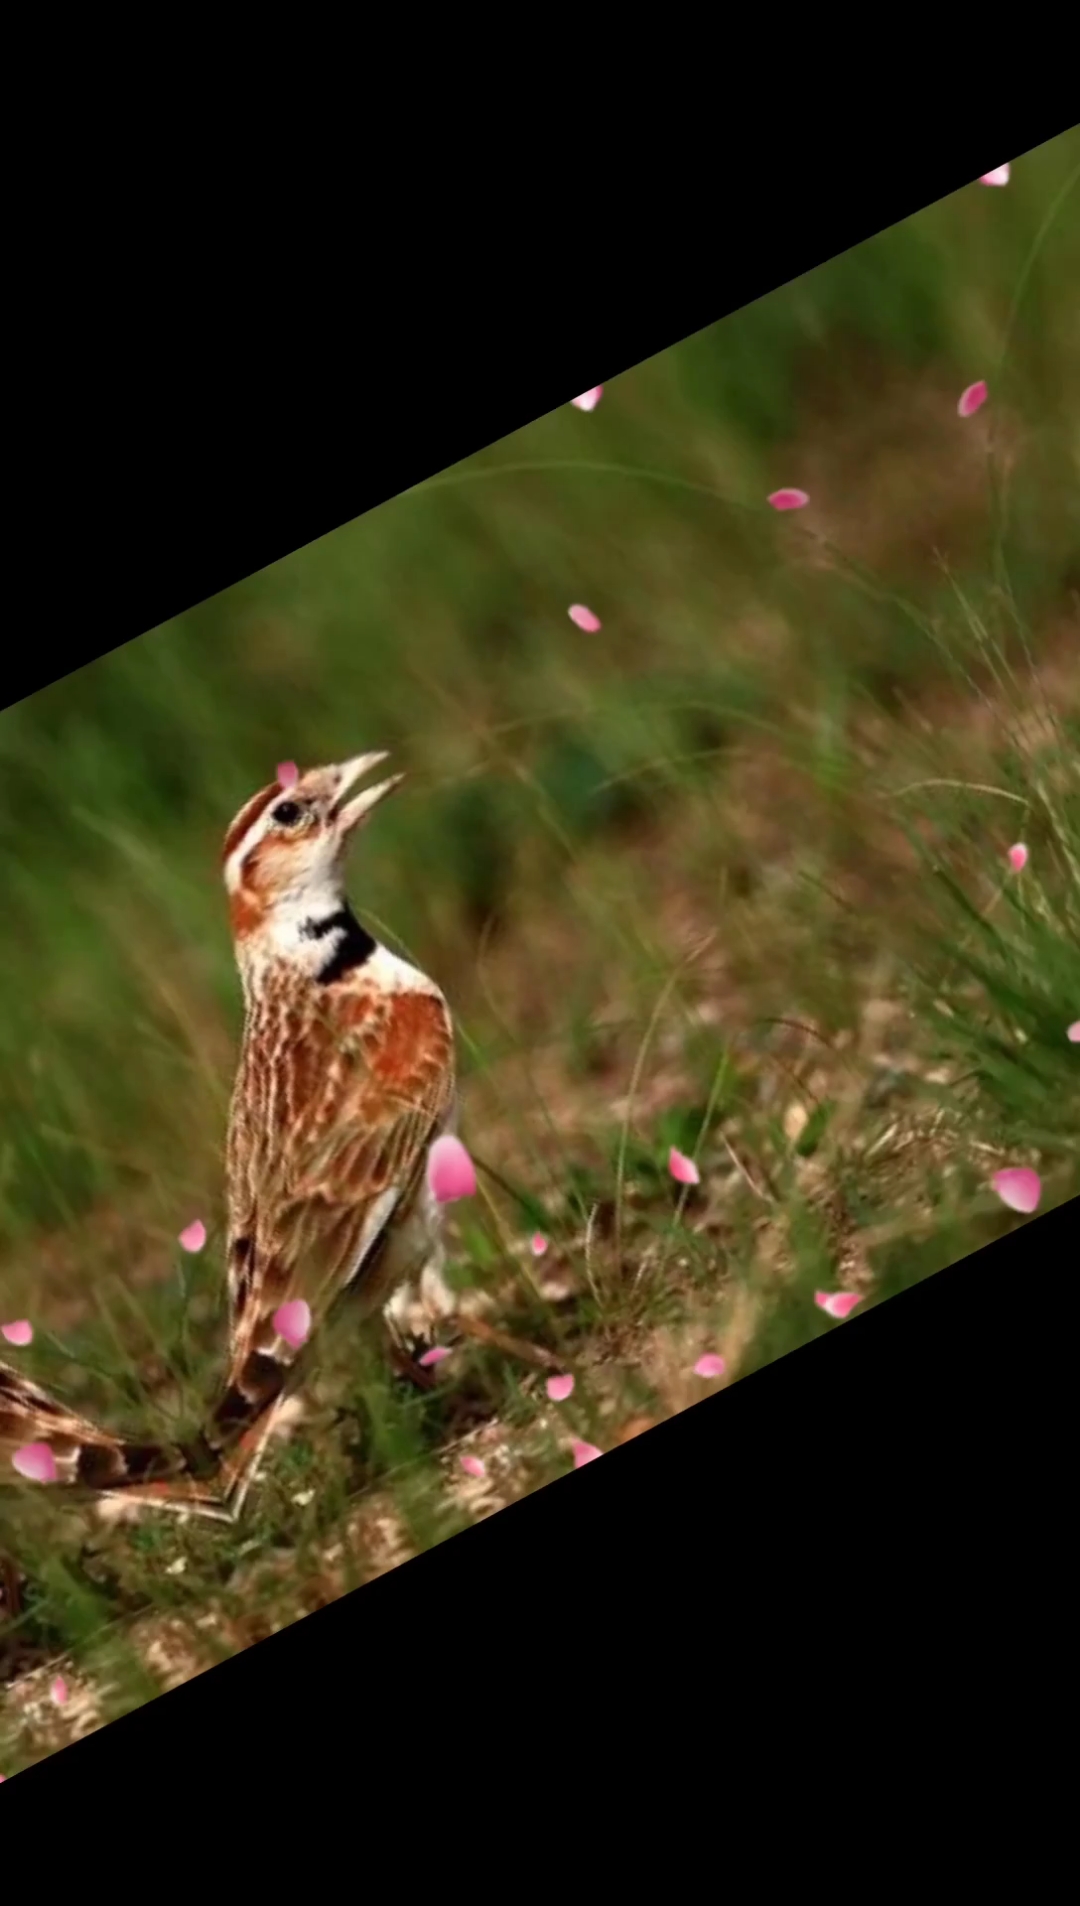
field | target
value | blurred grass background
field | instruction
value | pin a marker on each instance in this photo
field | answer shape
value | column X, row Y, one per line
column 722, row 759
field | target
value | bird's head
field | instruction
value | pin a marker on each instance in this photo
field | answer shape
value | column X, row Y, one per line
column 284, row 855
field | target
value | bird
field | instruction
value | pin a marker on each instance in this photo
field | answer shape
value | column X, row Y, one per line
column 346, row 1078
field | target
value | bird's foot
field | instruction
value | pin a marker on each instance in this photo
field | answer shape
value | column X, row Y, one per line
column 405, row 1361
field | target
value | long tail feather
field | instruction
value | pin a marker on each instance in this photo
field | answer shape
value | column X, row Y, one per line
column 51, row 1444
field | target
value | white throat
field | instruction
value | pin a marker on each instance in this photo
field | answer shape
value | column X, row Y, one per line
column 306, row 929
column 291, row 919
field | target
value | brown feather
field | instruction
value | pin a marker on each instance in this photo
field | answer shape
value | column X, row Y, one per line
column 91, row 1459
column 247, row 817
column 339, row 1093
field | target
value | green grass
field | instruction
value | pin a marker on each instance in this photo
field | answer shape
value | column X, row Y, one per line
column 692, row 881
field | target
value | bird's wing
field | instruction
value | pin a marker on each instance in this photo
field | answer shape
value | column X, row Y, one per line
column 337, row 1102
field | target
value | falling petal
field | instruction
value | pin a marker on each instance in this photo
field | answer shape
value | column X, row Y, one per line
column 584, row 618
column 36, row 1462
column 538, row 1244
column 473, row 1466
column 194, row 1236
column 1018, row 857
column 59, row 1691
column 585, row 1453
column 589, row 399
column 972, row 399
column 709, row 1366
column 1019, row 1188
column 559, row 1388
column 1073, row 1033
column 287, row 774
column 450, row 1171
column 789, row 499
column 683, row 1169
column 437, row 1354
column 293, row 1322
column 999, row 176
column 837, row 1303
column 20, row 1333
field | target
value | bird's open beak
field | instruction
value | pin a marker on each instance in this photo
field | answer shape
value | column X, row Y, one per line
column 348, row 814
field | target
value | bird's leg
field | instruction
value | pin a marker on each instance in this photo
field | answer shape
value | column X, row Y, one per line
column 10, row 1598
column 421, row 1311
column 404, row 1363
column 418, row 1316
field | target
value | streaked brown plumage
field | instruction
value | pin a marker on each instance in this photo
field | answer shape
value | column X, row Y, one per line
column 93, row 1461
column 346, row 1077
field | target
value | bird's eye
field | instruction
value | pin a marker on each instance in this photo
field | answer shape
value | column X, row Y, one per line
column 287, row 813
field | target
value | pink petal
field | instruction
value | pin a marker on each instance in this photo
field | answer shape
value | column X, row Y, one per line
column 450, row 1171
column 59, row 1691
column 590, row 399
column 710, row 1366
column 789, row 499
column 538, row 1244
column 683, row 1169
column 437, row 1354
column 1019, row 1188
column 293, row 1322
column 19, row 1333
column 972, row 399
column 999, row 176
column 1074, row 1032
column 473, row 1466
column 194, row 1236
column 837, row 1303
column 1018, row 857
column 585, row 1453
column 287, row 774
column 36, row 1462
column 584, row 618
column 559, row 1388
